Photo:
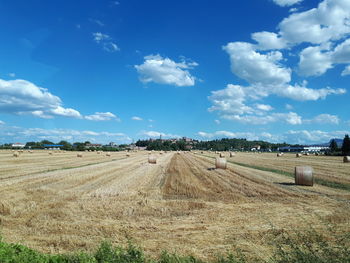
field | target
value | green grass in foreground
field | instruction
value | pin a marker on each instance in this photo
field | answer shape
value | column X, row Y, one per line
column 297, row 247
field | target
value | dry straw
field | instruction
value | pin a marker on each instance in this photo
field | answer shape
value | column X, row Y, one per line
column 346, row 159
column 304, row 175
column 220, row 163
column 152, row 159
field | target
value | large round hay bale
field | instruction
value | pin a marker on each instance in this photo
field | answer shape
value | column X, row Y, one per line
column 232, row 154
column 220, row 163
column 298, row 155
column 152, row 159
column 304, row 175
column 80, row 155
column 279, row 155
column 127, row 155
column 16, row 154
column 346, row 159
column 222, row 155
column 50, row 153
column 108, row 154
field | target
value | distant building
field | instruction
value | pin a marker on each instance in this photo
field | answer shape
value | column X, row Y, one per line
column 93, row 145
column 18, row 145
column 53, row 146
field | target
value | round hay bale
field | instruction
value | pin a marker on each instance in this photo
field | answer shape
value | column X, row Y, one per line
column 127, row 155
column 346, row 159
column 232, row 154
column 202, row 152
column 304, row 175
column 152, row 159
column 220, row 163
column 4, row 209
column 298, row 155
column 222, row 155
column 108, row 154
column 279, row 155
column 50, row 153
column 80, row 155
column 16, row 154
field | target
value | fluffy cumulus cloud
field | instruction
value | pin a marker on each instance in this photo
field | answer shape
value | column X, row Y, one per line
column 257, row 68
column 136, row 118
column 105, row 41
column 264, row 65
column 9, row 133
column 346, row 71
column 329, row 21
column 22, row 97
column 102, row 116
column 268, row 40
column 287, row 2
column 316, row 60
column 291, row 136
column 324, row 119
column 161, row 70
column 156, row 134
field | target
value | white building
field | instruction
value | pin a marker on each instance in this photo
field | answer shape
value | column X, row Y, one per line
column 18, row 145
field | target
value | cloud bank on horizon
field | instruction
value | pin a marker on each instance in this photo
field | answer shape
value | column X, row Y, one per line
column 285, row 84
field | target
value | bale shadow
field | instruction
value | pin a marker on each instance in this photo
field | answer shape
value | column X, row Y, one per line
column 211, row 169
column 287, row 184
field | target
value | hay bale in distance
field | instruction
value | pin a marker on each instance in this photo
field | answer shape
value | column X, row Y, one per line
column 16, row 154
column 108, row 154
column 303, row 175
column 152, row 159
column 298, row 155
column 346, row 159
column 80, row 155
column 279, row 155
column 220, row 163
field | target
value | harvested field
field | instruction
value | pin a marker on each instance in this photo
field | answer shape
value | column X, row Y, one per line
column 181, row 203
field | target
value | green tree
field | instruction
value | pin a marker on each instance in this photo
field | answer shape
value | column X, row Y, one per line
column 346, row 145
column 333, row 146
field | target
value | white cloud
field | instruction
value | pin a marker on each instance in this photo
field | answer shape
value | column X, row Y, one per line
column 102, row 116
column 288, row 107
column 11, row 134
column 98, row 22
column 324, row 119
column 287, row 2
column 346, row 71
column 98, row 37
column 136, row 118
column 290, row 118
column 229, row 100
column 12, row 75
column 166, row 71
column 263, row 107
column 23, row 97
column 2, row 122
column 105, row 41
column 268, row 40
column 156, row 134
column 292, row 136
column 217, row 121
column 329, row 21
column 257, row 68
column 316, row 60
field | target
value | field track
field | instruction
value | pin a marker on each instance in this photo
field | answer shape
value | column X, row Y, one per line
column 61, row 203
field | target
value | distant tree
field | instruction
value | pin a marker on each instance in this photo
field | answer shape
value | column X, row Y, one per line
column 46, row 142
column 333, row 146
column 346, row 145
column 66, row 145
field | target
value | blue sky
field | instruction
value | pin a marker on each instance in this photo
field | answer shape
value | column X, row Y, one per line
column 276, row 70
